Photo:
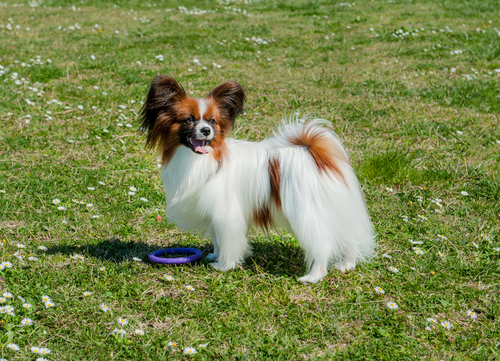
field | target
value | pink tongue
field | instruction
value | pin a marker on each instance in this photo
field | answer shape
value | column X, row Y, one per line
column 199, row 146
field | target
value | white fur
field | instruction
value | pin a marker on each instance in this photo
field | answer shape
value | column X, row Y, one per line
column 328, row 218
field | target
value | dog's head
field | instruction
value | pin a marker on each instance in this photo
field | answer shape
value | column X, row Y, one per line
column 172, row 119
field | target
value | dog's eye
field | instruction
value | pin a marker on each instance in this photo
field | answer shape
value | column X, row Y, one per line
column 189, row 120
column 212, row 121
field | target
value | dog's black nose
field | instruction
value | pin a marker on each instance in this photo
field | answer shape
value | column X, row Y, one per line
column 205, row 131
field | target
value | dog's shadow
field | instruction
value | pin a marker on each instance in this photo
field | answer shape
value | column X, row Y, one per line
column 267, row 257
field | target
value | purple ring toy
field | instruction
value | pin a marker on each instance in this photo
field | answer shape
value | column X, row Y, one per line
column 155, row 256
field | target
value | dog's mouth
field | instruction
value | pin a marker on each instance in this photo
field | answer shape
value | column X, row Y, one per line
column 198, row 145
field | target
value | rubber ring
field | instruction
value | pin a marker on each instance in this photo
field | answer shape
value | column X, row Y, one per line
column 155, row 256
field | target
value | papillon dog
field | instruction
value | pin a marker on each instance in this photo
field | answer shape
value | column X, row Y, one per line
column 300, row 179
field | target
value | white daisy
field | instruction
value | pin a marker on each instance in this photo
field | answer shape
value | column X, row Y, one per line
column 472, row 314
column 169, row 277
column 133, row 189
column 190, row 351
column 122, row 321
column 119, row 331
column 173, row 344
column 446, row 325
column 144, row 199
column 13, row 346
column 87, row 293
column 26, row 322
column 392, row 305
column 393, row 269
column 189, row 287
column 139, row 332
column 379, row 290
column 42, row 248
column 56, row 201
column 104, row 307
column 45, row 298
column 464, row 193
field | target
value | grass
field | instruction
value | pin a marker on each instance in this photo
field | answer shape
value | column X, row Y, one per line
column 419, row 115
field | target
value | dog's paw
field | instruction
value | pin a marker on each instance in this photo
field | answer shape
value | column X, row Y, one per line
column 310, row 278
column 345, row 266
column 222, row 266
column 212, row 257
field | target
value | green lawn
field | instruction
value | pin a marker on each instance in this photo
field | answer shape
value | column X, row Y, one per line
column 411, row 87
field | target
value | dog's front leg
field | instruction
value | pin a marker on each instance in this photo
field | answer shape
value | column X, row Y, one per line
column 215, row 255
column 232, row 243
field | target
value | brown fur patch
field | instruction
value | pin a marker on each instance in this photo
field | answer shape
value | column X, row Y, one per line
column 262, row 217
column 326, row 155
column 275, row 180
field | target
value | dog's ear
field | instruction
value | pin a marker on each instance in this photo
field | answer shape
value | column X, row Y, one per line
column 158, row 110
column 229, row 97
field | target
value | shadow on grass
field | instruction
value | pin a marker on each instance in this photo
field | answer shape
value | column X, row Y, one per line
column 274, row 259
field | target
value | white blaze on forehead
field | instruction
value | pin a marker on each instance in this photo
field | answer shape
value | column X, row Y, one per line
column 202, row 106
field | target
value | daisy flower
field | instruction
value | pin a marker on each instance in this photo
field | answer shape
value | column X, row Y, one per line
column 379, row 290
column 440, row 254
column 2, row 191
column 3, row 310
column 441, row 237
column 144, row 199
column 45, row 298
column 405, row 218
column 102, row 183
column 32, row 258
column 119, row 331
column 472, row 314
column 190, row 351
column 122, row 321
column 131, row 193
column 35, row 349
column 13, row 346
column 419, row 198
column 189, row 287
column 102, row 268
column 419, row 251
column 56, row 201
column 393, row 269
column 392, row 305
column 133, row 189
column 475, row 244
column 173, row 344
column 421, row 218
column 137, row 259
column 87, row 293
column 91, row 188
column 8, row 295
column 42, row 248
column 427, row 328
column 89, row 205
column 19, row 245
column 416, row 242
column 44, row 351
column 389, row 189
column 169, row 278
column 49, row 304
column 464, row 193
column 139, row 332
column 7, row 264
column 446, row 325
column 202, row 345
column 27, row 306
column 26, row 322
column 104, row 307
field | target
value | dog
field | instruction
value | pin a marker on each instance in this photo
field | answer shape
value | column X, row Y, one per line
column 300, row 179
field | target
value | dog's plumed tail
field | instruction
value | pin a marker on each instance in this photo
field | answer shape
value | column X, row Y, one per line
column 321, row 198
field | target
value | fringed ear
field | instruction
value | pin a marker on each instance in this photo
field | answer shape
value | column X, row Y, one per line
column 157, row 111
column 229, row 97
